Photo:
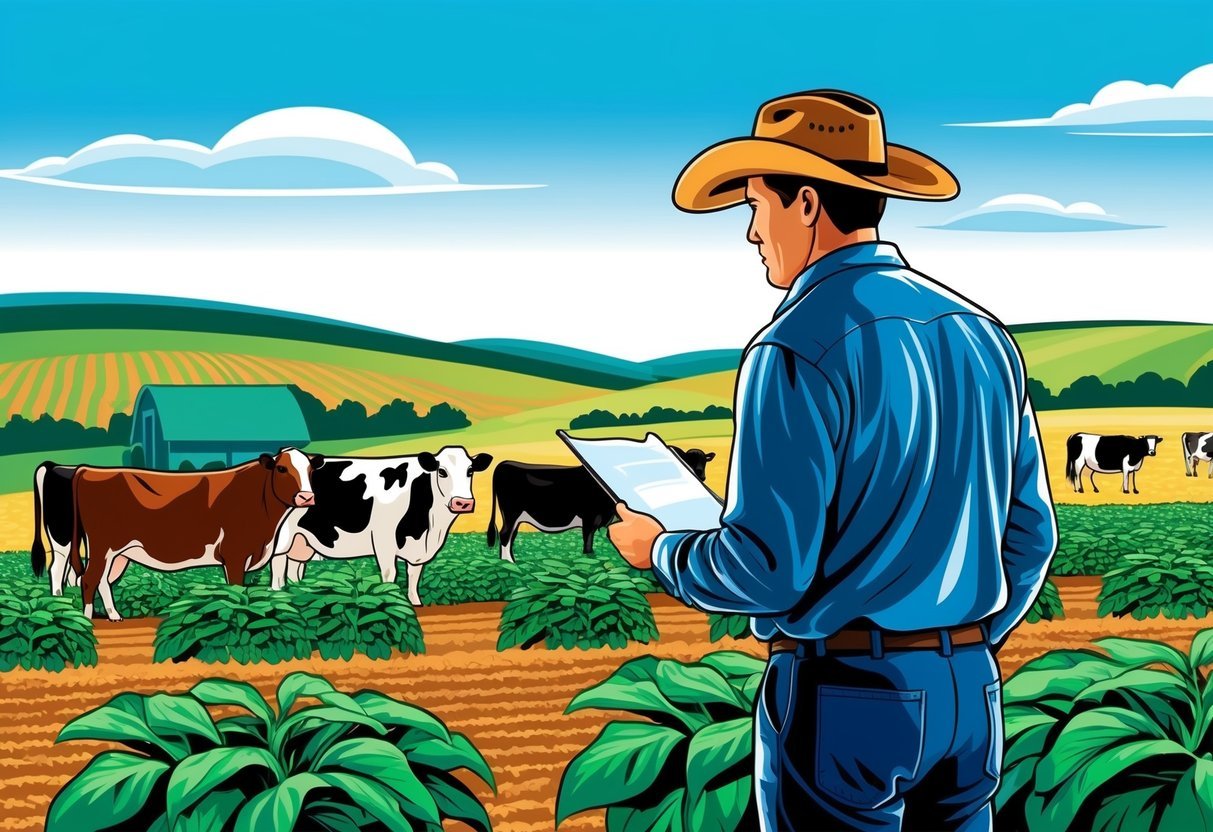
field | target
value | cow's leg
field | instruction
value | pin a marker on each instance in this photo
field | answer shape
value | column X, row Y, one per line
column 117, row 567
column 509, row 530
column 234, row 567
column 1078, row 478
column 386, row 558
column 287, row 567
column 107, row 592
column 58, row 570
column 587, row 535
column 1124, row 476
column 1210, row 469
column 295, row 570
column 414, row 583
column 94, row 571
column 1093, row 486
column 1133, row 476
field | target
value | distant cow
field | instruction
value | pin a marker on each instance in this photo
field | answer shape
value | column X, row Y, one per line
column 171, row 521
column 1197, row 447
column 1107, row 455
column 391, row 507
column 556, row 498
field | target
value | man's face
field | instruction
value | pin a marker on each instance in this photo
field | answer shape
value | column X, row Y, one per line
column 784, row 235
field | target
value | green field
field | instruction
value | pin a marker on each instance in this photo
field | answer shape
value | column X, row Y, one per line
column 1115, row 352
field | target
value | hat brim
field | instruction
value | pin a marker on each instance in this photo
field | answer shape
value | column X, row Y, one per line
column 716, row 178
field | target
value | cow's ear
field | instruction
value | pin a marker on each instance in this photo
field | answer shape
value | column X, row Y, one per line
column 266, row 461
column 709, row 456
column 317, row 461
column 481, row 462
column 427, row 461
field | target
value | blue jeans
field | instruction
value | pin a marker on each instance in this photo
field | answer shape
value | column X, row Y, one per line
column 904, row 740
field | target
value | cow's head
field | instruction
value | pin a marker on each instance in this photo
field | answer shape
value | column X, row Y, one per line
column 291, row 476
column 696, row 460
column 452, row 470
column 1152, row 444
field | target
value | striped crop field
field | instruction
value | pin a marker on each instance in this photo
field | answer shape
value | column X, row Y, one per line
column 89, row 386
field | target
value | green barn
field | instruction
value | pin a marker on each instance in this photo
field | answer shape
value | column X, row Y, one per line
column 177, row 426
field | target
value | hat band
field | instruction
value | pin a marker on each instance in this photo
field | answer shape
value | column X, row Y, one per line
column 863, row 167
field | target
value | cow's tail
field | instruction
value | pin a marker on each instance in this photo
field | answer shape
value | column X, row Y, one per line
column 37, row 552
column 1073, row 452
column 491, row 535
column 74, row 553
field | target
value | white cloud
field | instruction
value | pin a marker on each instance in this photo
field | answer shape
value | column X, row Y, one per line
column 1036, row 213
column 1189, row 103
column 296, row 151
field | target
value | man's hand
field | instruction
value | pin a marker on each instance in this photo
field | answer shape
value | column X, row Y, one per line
column 634, row 536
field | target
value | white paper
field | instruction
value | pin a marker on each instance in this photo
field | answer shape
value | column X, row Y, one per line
column 651, row 479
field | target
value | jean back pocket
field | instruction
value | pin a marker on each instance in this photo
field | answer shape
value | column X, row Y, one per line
column 869, row 742
column 994, row 715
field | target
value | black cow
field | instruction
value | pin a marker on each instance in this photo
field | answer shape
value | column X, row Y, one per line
column 1197, row 447
column 1107, row 455
column 556, row 498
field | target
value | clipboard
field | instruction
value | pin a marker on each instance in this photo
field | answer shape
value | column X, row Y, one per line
column 650, row 478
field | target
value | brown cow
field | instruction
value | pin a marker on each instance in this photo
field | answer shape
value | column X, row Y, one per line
column 170, row 521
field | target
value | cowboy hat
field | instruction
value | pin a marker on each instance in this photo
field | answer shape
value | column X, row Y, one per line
column 821, row 134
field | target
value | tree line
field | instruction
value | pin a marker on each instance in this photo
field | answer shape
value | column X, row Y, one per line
column 604, row 418
column 1147, row 390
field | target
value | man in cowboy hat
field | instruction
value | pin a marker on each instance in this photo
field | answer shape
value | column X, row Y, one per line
column 889, row 519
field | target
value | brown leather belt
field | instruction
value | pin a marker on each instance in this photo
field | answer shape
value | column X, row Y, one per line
column 861, row 640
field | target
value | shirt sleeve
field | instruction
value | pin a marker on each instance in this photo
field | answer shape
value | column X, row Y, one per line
column 782, row 474
column 1030, row 538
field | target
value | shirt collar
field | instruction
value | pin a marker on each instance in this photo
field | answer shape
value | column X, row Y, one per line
column 838, row 260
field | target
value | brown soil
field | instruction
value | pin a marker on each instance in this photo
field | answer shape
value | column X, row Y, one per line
column 510, row 704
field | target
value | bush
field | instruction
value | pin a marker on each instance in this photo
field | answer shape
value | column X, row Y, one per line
column 1047, row 606
column 690, row 767
column 577, row 602
column 221, row 623
column 141, row 592
column 348, row 613
column 733, row 626
column 1175, row 585
column 44, row 633
column 605, row 418
column 1109, row 741
column 344, row 763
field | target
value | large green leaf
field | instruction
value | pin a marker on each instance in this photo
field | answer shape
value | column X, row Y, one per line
column 200, row 775
column 181, row 715
column 323, row 714
column 1136, row 652
column 444, row 756
column 695, row 685
column 1129, row 810
column 392, row 712
column 386, row 765
column 112, row 788
column 734, row 663
column 455, row 801
column 642, row 697
column 230, row 692
column 279, row 808
column 666, row 816
column 1096, row 771
column 1201, row 652
column 722, row 809
column 1161, row 696
column 215, row 811
column 717, row 749
column 623, row 761
column 1091, row 734
column 1058, row 679
column 300, row 684
column 123, row 719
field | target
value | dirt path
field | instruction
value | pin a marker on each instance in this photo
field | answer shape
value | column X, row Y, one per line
column 510, row 704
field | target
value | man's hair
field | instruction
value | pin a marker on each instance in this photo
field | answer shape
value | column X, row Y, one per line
column 849, row 208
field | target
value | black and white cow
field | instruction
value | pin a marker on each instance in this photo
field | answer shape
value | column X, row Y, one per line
column 395, row 508
column 53, row 516
column 1107, row 455
column 556, row 498
column 1197, row 447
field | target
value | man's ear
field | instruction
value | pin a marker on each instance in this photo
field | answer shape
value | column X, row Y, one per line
column 266, row 461
column 427, row 461
column 480, row 462
column 810, row 205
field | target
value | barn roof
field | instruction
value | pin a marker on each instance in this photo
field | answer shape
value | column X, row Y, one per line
column 225, row 412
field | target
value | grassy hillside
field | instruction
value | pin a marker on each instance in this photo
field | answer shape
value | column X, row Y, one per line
column 1061, row 353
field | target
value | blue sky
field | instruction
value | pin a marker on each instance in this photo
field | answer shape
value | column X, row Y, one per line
column 600, row 102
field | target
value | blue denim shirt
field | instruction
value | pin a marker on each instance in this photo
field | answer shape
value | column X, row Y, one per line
column 886, row 465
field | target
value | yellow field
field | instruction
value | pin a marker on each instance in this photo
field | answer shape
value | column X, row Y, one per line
column 1160, row 480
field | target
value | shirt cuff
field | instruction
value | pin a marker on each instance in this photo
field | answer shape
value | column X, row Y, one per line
column 665, row 547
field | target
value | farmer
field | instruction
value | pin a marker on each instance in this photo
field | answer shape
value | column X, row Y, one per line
column 889, row 520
